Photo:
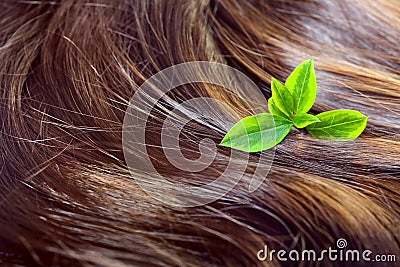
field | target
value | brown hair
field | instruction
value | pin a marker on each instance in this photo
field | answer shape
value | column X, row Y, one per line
column 68, row 69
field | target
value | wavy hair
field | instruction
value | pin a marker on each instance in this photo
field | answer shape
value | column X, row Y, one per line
column 68, row 69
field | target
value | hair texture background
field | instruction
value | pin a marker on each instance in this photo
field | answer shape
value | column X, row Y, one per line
column 68, row 69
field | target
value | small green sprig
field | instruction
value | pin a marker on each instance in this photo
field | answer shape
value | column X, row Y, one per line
column 288, row 107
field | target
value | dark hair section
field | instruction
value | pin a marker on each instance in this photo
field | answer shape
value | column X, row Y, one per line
column 68, row 69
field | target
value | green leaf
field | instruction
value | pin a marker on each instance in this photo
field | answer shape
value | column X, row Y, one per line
column 303, row 119
column 273, row 109
column 338, row 124
column 282, row 98
column 256, row 133
column 302, row 84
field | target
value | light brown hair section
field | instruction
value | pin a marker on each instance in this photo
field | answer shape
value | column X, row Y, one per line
column 68, row 68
